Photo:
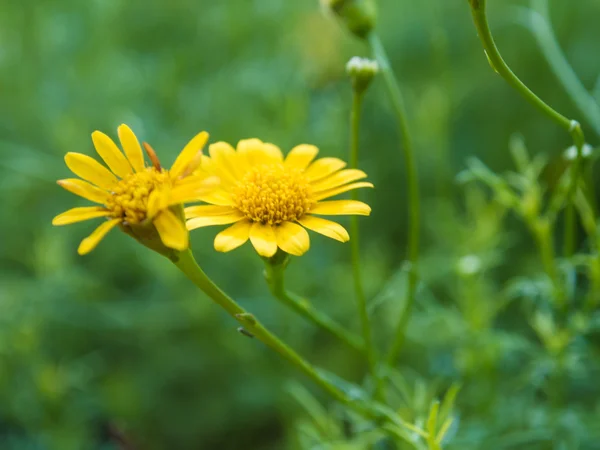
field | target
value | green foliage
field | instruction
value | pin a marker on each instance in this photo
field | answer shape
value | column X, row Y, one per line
column 119, row 346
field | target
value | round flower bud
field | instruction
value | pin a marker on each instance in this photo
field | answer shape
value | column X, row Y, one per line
column 361, row 72
column 571, row 152
column 469, row 265
column 359, row 16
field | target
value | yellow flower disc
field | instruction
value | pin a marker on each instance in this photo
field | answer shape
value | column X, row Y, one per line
column 129, row 197
column 272, row 194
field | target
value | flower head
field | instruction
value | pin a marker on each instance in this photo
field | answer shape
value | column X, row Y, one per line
column 140, row 198
column 359, row 16
column 269, row 199
column 361, row 72
column 570, row 154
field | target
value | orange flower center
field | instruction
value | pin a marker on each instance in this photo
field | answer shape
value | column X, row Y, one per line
column 129, row 199
column 273, row 194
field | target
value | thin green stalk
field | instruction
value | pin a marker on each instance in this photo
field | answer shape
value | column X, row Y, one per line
column 252, row 327
column 441, row 61
column 187, row 264
column 577, row 179
column 276, row 280
column 542, row 231
column 593, row 297
column 412, row 188
column 478, row 10
column 588, row 183
column 359, row 292
column 585, row 207
column 570, row 230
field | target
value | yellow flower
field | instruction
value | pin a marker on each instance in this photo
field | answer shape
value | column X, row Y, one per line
column 270, row 199
column 137, row 197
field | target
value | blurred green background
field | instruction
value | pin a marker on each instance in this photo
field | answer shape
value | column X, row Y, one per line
column 119, row 342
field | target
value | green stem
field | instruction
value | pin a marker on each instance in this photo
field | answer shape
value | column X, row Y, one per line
column 570, row 229
column 593, row 297
column 187, row 264
column 570, row 215
column 499, row 65
column 478, row 10
column 355, row 245
column 542, row 231
column 276, row 279
column 585, row 206
column 588, row 183
column 412, row 188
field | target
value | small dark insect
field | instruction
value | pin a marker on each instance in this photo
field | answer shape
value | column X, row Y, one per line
column 245, row 332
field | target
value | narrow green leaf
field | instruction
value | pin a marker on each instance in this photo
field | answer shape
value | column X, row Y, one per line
column 448, row 401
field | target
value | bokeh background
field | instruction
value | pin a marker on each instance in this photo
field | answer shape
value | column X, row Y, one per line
column 119, row 343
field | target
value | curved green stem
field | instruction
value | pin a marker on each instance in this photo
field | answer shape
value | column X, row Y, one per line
column 187, row 264
column 252, row 327
column 355, row 241
column 275, row 276
column 478, row 10
column 412, row 187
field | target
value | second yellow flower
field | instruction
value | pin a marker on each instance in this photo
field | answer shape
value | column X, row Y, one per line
column 270, row 200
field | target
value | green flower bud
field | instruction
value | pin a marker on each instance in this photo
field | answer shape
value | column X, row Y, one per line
column 469, row 265
column 359, row 16
column 361, row 72
column 570, row 153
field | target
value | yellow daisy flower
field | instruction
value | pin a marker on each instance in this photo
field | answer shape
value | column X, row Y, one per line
column 269, row 199
column 131, row 194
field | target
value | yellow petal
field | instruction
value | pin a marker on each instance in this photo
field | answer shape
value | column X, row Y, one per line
column 84, row 189
column 325, row 227
column 254, row 152
column 191, row 192
column 272, row 153
column 337, row 179
column 172, row 230
column 223, row 219
column 301, row 156
column 207, row 210
column 217, row 197
column 90, row 242
column 207, row 165
column 339, row 190
column 323, row 167
column 190, row 157
column 341, row 207
column 221, row 149
column 225, row 162
column 250, row 150
column 232, row 237
column 292, row 238
column 157, row 202
column 80, row 214
column 90, row 170
column 198, row 177
column 131, row 147
column 205, row 169
column 263, row 239
column 110, row 153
